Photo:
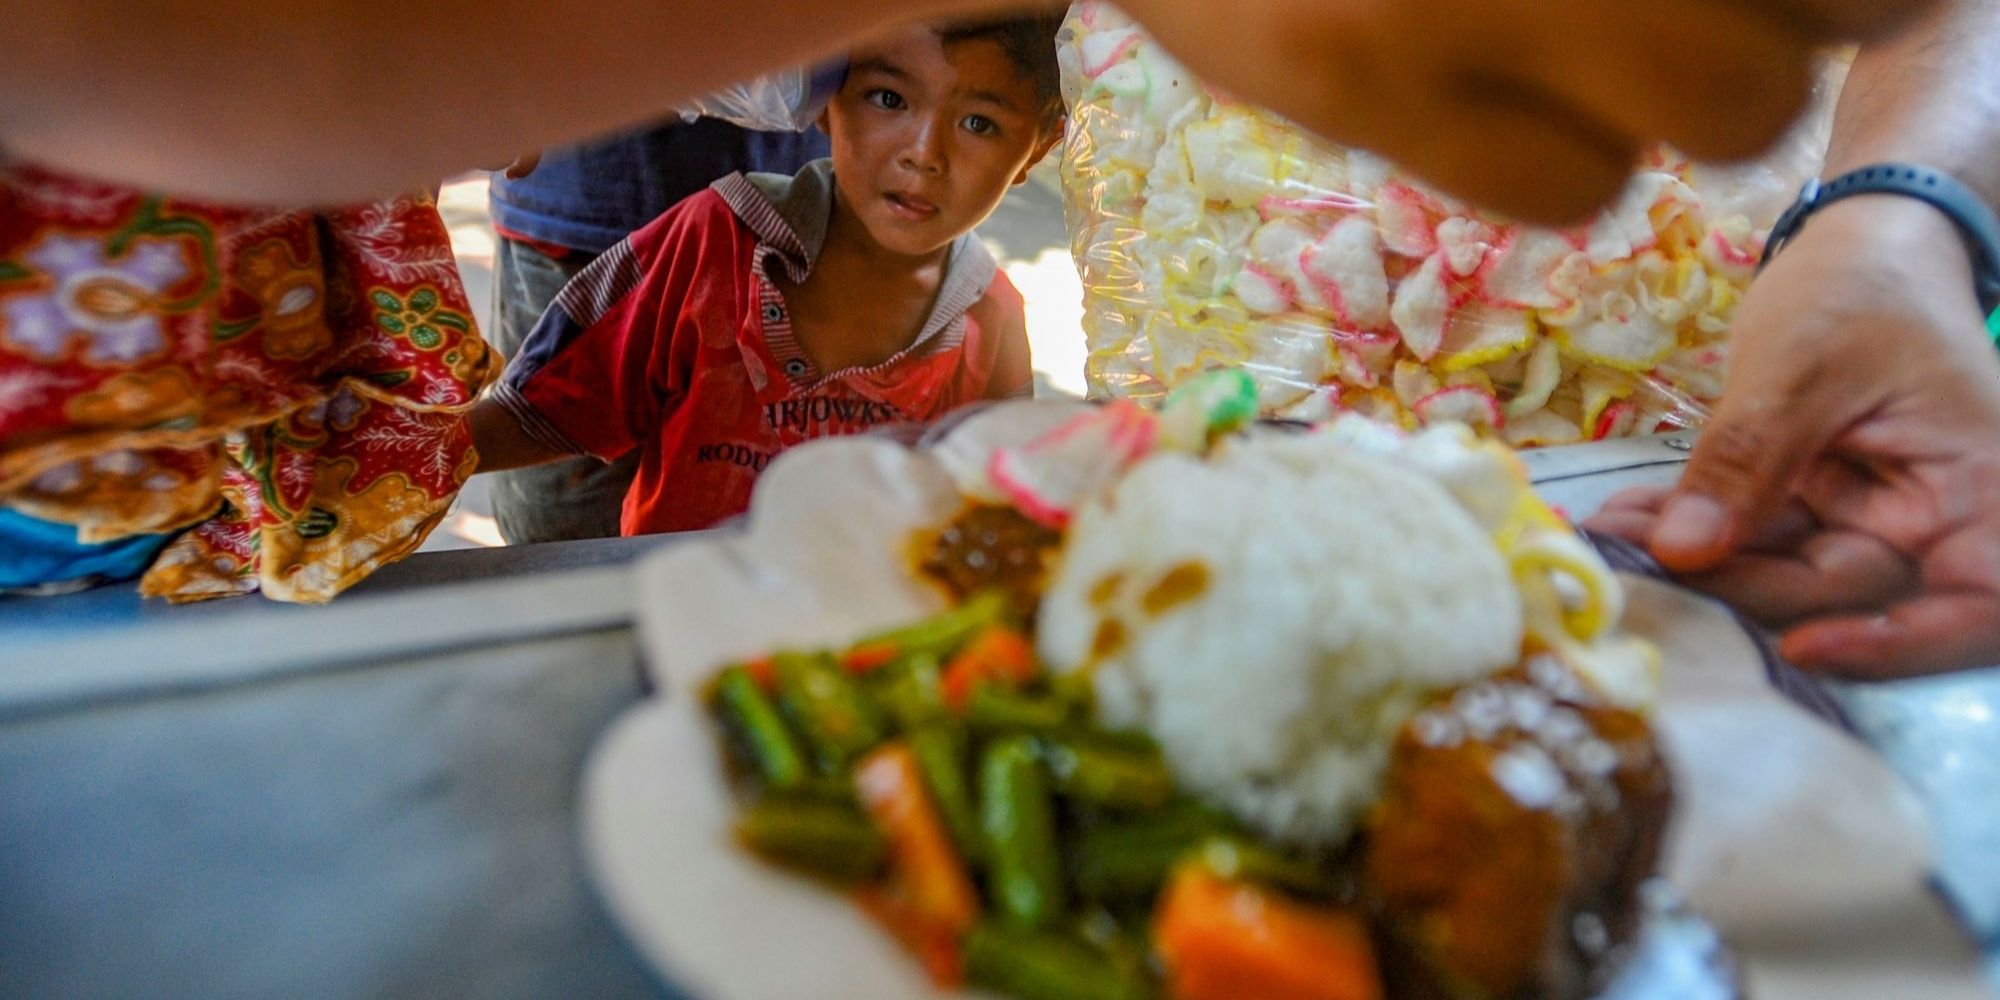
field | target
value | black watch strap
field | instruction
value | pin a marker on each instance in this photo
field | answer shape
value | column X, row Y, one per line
column 1941, row 191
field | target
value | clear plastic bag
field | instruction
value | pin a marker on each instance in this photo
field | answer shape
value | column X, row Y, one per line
column 1209, row 234
column 786, row 101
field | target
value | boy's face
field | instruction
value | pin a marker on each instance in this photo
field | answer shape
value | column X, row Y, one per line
column 927, row 137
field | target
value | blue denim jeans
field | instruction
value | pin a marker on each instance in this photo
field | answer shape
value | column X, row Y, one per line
column 573, row 498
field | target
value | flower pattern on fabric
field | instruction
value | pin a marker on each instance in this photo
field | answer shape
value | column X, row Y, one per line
column 418, row 317
column 111, row 305
column 290, row 388
column 291, row 297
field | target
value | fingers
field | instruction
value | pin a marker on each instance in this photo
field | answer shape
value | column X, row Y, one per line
column 1830, row 573
column 1931, row 634
column 1631, row 524
column 1663, row 69
column 524, row 165
column 1777, row 415
column 1634, row 515
column 1848, row 20
column 1518, row 151
column 1639, row 498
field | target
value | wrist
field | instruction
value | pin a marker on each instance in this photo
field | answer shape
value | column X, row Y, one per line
column 1965, row 209
column 1897, row 231
column 1888, row 252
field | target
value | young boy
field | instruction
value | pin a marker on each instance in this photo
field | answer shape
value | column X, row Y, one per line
column 768, row 311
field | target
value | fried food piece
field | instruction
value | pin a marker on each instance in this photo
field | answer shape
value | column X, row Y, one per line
column 1520, row 819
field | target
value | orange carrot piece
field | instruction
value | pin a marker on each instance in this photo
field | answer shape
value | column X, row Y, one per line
column 922, row 861
column 763, row 670
column 1227, row 940
column 869, row 657
column 997, row 655
column 936, row 947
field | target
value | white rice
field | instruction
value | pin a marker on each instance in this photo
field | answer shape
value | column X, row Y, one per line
column 1342, row 587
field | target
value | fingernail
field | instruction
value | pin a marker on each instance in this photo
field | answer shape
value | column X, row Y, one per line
column 1691, row 524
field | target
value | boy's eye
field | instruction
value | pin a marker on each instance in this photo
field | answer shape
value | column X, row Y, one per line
column 887, row 100
column 980, row 125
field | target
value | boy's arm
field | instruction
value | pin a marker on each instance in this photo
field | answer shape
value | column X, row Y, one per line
column 1014, row 370
column 502, row 443
column 1003, row 316
column 343, row 100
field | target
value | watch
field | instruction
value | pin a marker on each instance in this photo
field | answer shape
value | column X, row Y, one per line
column 1966, row 210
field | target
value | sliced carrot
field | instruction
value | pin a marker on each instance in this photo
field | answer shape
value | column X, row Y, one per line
column 1229, row 940
column 997, row 655
column 936, row 947
column 763, row 670
column 869, row 657
column 924, row 867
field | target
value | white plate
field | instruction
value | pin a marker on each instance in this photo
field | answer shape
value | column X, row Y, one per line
column 1785, row 825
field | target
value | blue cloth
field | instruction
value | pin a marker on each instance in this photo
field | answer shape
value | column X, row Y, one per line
column 35, row 552
column 589, row 197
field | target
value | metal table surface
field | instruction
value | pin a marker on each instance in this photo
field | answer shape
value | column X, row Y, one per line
column 377, row 797
column 372, row 798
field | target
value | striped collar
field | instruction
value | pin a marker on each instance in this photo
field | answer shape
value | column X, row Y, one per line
column 790, row 215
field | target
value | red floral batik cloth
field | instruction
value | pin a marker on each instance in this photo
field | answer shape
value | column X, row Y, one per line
column 290, row 388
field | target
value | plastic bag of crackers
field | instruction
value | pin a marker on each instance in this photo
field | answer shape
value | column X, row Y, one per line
column 1212, row 234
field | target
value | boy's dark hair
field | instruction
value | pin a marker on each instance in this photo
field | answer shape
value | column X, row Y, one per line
column 1030, row 44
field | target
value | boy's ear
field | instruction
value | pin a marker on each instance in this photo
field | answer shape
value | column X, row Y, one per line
column 1043, row 147
column 825, row 120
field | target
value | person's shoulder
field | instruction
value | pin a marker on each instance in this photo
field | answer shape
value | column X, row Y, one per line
column 704, row 217
column 701, row 211
column 1001, row 310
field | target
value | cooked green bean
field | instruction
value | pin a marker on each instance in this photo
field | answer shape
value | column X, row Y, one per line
column 993, row 710
column 910, row 690
column 837, row 718
column 759, row 729
column 1107, row 776
column 940, row 751
column 1024, row 873
column 941, row 635
column 1131, row 860
column 1077, row 690
column 1035, row 966
column 1240, row 858
column 829, row 839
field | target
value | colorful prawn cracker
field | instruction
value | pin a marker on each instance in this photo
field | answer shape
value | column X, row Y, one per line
column 1210, row 234
column 1050, row 477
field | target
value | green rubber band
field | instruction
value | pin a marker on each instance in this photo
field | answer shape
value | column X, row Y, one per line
column 1993, row 327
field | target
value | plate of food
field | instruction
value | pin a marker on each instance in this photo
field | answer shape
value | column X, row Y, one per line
column 1095, row 702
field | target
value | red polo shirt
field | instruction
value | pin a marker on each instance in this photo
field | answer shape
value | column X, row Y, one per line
column 677, row 342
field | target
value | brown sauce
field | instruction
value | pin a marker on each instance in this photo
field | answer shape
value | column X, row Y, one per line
column 1184, row 583
column 1106, row 591
column 991, row 547
column 1110, row 640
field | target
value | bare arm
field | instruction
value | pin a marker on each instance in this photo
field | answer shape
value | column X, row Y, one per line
column 1931, row 96
column 501, row 442
column 343, row 99
column 1529, row 106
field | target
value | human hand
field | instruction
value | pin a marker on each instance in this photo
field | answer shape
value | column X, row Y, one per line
column 1848, row 486
column 1527, row 107
column 523, row 165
